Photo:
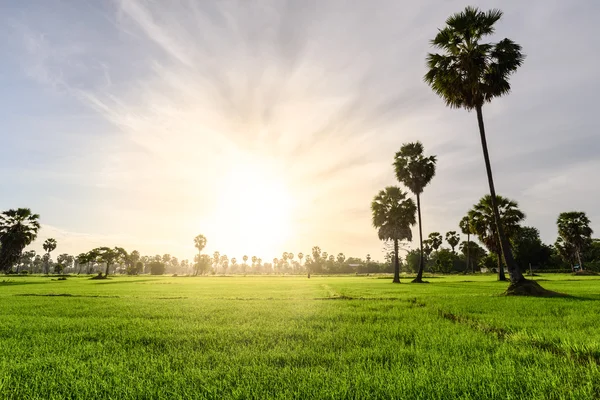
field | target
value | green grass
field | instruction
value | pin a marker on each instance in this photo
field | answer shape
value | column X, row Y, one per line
column 291, row 337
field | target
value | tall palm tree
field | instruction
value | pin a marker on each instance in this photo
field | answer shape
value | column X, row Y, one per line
column 49, row 246
column 465, row 228
column 18, row 228
column 574, row 233
column 468, row 74
column 393, row 215
column 483, row 224
column 415, row 171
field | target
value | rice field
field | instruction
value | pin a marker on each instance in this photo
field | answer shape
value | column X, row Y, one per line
column 260, row 337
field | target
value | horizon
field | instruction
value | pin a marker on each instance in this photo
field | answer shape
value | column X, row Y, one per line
column 141, row 126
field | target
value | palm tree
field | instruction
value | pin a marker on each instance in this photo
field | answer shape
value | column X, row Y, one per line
column 436, row 240
column 300, row 257
column 49, row 246
column 574, row 234
column 469, row 74
column 245, row 259
column 415, row 171
column 483, row 224
column 465, row 228
column 18, row 228
column 199, row 244
column 393, row 214
column 453, row 239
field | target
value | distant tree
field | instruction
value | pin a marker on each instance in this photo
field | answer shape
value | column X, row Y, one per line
column 469, row 74
column 466, row 229
column 200, row 243
column 415, row 171
column 157, row 268
column 26, row 260
column 393, row 214
column 412, row 260
column 443, row 260
column 202, row 264
column 483, row 224
column 224, row 263
column 65, row 260
column 300, row 257
column 427, row 248
column 574, row 233
column 18, row 228
column 453, row 239
column 528, row 248
column 49, row 246
column 216, row 260
column 110, row 256
column 254, row 259
column 436, row 240
column 473, row 253
column 245, row 259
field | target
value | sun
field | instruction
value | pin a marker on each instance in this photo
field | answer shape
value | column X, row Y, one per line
column 254, row 209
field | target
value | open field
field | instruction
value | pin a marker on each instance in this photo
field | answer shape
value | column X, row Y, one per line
column 292, row 337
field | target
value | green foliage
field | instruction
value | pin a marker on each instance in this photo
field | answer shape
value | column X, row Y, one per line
column 453, row 239
column 443, row 261
column 412, row 168
column 468, row 73
column 435, row 240
column 393, row 214
column 18, row 228
column 482, row 221
column 529, row 249
column 157, row 268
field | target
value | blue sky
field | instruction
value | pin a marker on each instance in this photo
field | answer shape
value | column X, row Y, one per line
column 270, row 125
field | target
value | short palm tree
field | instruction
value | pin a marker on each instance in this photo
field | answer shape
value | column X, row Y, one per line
column 18, row 228
column 49, row 246
column 483, row 224
column 469, row 74
column 415, row 171
column 393, row 215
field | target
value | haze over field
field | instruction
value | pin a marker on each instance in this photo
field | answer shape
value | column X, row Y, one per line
column 270, row 127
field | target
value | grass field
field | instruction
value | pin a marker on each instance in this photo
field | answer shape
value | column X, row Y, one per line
column 292, row 337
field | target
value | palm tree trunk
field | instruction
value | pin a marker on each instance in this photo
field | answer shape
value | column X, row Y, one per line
column 107, row 268
column 501, row 276
column 419, row 278
column 579, row 259
column 516, row 275
column 396, row 263
column 469, row 252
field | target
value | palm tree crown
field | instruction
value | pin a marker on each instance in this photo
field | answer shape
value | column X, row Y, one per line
column 484, row 225
column 393, row 214
column 468, row 73
column 412, row 168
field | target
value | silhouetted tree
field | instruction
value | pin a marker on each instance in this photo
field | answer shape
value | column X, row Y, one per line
column 453, row 239
column 393, row 214
column 415, row 171
column 49, row 246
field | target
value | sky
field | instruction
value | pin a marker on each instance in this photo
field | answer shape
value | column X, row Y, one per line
column 269, row 126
